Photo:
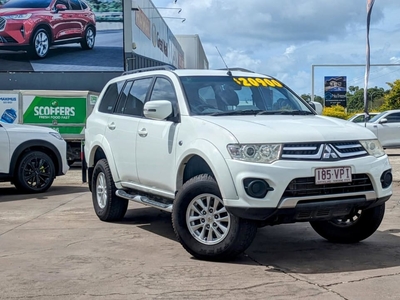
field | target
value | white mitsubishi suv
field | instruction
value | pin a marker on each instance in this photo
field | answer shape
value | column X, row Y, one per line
column 228, row 151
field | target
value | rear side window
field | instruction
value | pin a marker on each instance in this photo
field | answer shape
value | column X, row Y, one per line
column 136, row 97
column 83, row 4
column 75, row 5
column 110, row 97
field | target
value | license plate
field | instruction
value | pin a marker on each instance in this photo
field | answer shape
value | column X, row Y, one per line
column 332, row 175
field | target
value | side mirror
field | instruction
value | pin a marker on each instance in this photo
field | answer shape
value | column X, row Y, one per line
column 157, row 110
column 383, row 121
column 316, row 106
column 60, row 7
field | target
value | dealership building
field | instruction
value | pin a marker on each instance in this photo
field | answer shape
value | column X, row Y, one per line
column 131, row 35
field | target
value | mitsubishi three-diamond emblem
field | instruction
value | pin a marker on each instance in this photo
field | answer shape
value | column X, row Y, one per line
column 329, row 153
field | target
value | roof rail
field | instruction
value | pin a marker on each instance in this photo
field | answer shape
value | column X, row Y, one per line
column 163, row 67
column 237, row 69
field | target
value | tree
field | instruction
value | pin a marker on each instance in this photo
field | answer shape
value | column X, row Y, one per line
column 355, row 98
column 392, row 98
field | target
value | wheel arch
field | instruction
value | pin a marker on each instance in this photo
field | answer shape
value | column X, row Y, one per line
column 100, row 151
column 204, row 158
column 46, row 27
column 93, row 26
column 36, row 145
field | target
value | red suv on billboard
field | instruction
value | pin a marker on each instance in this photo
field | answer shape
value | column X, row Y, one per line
column 35, row 25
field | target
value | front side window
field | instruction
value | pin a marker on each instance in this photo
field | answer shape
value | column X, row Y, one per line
column 63, row 2
column 164, row 90
column 227, row 95
column 393, row 118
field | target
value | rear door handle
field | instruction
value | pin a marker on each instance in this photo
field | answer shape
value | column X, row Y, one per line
column 112, row 125
column 143, row 132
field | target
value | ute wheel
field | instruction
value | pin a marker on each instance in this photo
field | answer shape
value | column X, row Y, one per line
column 107, row 205
column 35, row 172
column 203, row 225
column 352, row 228
column 88, row 40
column 40, row 44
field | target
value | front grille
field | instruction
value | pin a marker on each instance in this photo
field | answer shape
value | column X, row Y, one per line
column 323, row 151
column 304, row 187
column 2, row 23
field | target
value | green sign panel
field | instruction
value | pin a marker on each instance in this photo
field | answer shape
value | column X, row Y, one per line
column 54, row 110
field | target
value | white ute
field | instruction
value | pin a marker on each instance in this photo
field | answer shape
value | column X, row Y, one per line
column 228, row 151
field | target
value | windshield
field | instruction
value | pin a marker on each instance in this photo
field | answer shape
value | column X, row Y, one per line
column 226, row 95
column 27, row 4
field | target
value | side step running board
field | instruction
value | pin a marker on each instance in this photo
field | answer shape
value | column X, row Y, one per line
column 144, row 200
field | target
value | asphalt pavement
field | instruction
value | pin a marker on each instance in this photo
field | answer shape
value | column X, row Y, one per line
column 52, row 246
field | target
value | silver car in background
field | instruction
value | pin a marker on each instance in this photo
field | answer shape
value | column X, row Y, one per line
column 386, row 127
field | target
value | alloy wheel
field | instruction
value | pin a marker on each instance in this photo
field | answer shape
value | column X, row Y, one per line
column 41, row 44
column 90, row 38
column 101, row 190
column 37, row 173
column 207, row 219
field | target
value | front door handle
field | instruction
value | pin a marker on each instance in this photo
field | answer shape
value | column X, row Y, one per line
column 143, row 132
column 112, row 125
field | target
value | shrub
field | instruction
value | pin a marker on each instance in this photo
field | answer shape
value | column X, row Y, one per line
column 336, row 111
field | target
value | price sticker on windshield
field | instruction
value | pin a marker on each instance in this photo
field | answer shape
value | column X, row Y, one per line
column 257, row 81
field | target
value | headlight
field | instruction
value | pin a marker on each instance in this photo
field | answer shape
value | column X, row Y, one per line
column 373, row 147
column 18, row 17
column 260, row 153
column 56, row 135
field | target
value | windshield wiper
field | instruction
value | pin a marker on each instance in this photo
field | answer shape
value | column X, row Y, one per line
column 237, row 112
column 285, row 112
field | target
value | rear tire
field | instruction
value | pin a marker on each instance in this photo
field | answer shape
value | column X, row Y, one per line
column 107, row 205
column 88, row 40
column 352, row 228
column 204, row 227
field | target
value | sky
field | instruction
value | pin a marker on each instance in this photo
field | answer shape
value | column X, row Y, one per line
column 285, row 38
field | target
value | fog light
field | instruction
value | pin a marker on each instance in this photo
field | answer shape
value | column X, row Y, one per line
column 256, row 188
column 386, row 179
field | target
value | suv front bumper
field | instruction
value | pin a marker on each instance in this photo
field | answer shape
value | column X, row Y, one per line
column 279, row 176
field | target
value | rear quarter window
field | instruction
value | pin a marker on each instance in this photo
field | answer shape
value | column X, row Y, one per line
column 110, row 97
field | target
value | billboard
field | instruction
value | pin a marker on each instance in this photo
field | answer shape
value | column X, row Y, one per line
column 61, row 35
column 151, row 37
column 335, row 90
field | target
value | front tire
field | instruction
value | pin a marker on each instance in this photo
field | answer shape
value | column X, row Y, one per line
column 203, row 225
column 35, row 172
column 40, row 44
column 107, row 205
column 88, row 40
column 353, row 228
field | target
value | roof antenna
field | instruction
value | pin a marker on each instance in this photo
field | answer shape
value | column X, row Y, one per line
column 229, row 71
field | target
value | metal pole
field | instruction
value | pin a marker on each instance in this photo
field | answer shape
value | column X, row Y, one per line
column 312, row 82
